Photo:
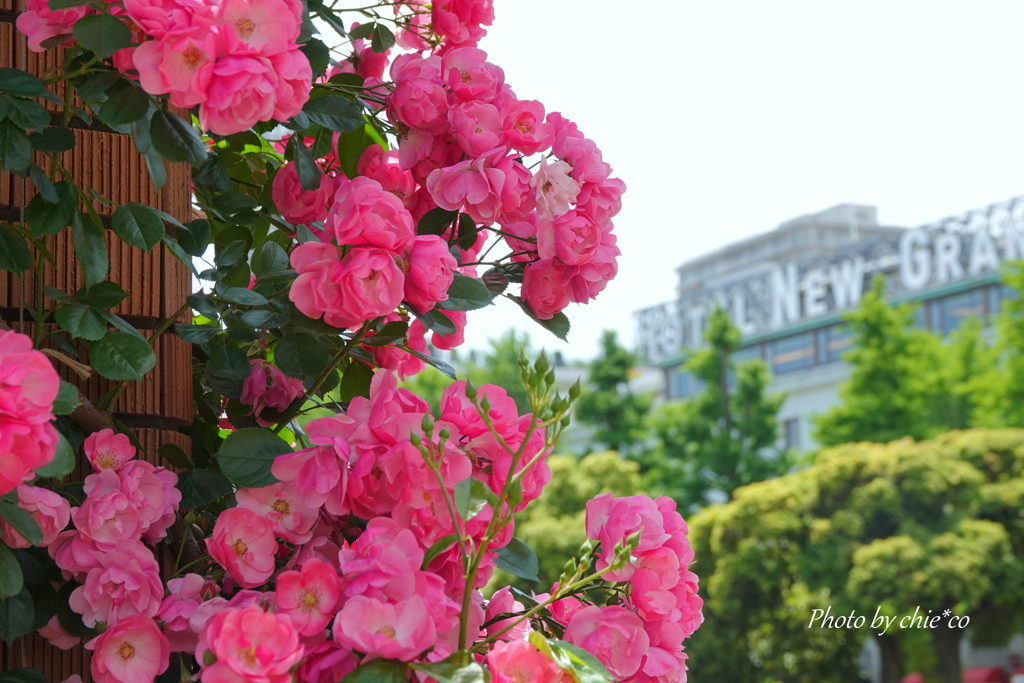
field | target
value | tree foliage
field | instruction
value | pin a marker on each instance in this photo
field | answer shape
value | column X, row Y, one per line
column 608, row 404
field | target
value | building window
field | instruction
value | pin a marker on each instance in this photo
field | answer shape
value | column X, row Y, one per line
column 953, row 310
column 792, row 353
column 833, row 342
column 791, row 434
column 682, row 384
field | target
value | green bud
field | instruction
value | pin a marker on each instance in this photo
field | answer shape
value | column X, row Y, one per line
column 445, row 433
column 470, row 390
column 570, row 567
column 428, row 423
column 209, row 659
column 542, row 364
column 633, row 540
column 566, row 421
column 415, row 439
column 485, row 403
column 574, row 391
column 587, row 547
column 549, row 378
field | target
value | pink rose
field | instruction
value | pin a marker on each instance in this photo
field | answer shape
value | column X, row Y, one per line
column 544, row 288
column 524, row 126
column 519, row 660
column 364, row 214
column 612, row 520
column 50, row 511
column 384, row 167
column 126, row 582
column 613, row 634
column 317, row 473
column 57, row 636
column 180, row 63
column 400, row 631
column 555, row 189
column 74, row 553
column 309, row 596
column 178, row 608
column 284, row 507
column 430, row 270
column 460, row 21
column 131, row 651
column 156, row 18
column 297, row 205
column 477, row 126
column 240, row 93
column 585, row 281
column 24, row 448
column 466, row 71
column 250, row 645
column 268, row 387
column 40, row 23
column 363, row 284
column 488, row 188
column 28, row 382
column 108, row 450
column 107, row 515
column 399, row 360
column 327, row 662
column 601, row 200
column 265, row 26
column 500, row 603
column 243, row 543
column 293, row 82
column 153, row 492
column 419, row 100
column 573, row 238
column 457, row 338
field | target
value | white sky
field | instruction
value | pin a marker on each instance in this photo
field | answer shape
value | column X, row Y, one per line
column 728, row 118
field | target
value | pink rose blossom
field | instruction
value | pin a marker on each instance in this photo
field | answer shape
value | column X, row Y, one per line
column 363, row 284
column 364, row 214
column 400, row 631
column 74, row 553
column 430, row 270
column 268, row 387
column 57, row 636
column 477, row 126
column 470, row 76
column 153, row 492
column 107, row 516
column 524, row 126
column 243, row 543
column 24, row 448
column 611, row 520
column 156, row 18
column 460, row 21
column 326, row 662
column 555, row 189
column 309, row 596
column 419, row 100
column 251, row 646
column 297, row 205
column 544, row 288
column 399, row 360
column 293, row 76
column 179, row 63
column 488, row 188
column 602, row 200
column 520, row 660
column 40, row 23
column 126, row 582
column 319, row 474
column 500, row 603
column 131, row 651
column 284, row 507
column 50, row 511
column 585, row 281
column 457, row 338
column 240, row 93
column 265, row 26
column 613, row 634
column 28, row 382
column 108, row 450
column 178, row 608
column 573, row 238
column 384, row 167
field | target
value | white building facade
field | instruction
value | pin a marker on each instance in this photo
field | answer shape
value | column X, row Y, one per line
column 787, row 290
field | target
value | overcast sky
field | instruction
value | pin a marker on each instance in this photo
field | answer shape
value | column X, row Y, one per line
column 728, row 118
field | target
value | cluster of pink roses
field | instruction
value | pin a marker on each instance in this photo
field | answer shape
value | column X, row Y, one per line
column 236, row 59
column 268, row 387
column 28, row 388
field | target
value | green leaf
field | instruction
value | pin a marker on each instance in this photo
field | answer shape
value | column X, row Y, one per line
column 202, row 487
column 11, row 579
column 125, row 106
column 383, row 38
column 96, row 86
column 430, row 360
column 378, row 671
column 466, row 294
column 157, row 169
column 301, row 355
column 63, row 460
column 355, row 381
column 175, row 139
column 243, row 296
column 121, row 356
column 453, row 671
column 175, row 456
column 196, row 334
column 15, row 148
column 588, row 668
column 53, row 139
column 18, row 82
column 16, row 616
column 81, row 321
column 471, row 497
column 336, row 113
column 229, row 362
column 435, row 321
column 273, row 258
column 138, row 225
column 436, row 221
column 518, row 559
column 246, row 456
column 25, row 113
column 363, row 31
column 14, row 255
column 195, row 237
column 45, row 188
column 558, row 324
column 102, row 33
column 66, row 4
column 49, row 219
column 90, row 248
column 231, row 254
column 22, row 676
column 352, row 144
column 439, row 546
column 67, row 399
column 309, row 173
column 213, row 175
column 104, row 294
column 20, row 520
column 319, row 56
column 119, row 323
column 180, row 254
column 263, row 319
column 391, row 332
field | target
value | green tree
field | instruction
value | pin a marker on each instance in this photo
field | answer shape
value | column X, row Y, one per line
column 500, row 366
column 895, row 380
column 726, row 435
column 607, row 402
column 1003, row 398
column 933, row 524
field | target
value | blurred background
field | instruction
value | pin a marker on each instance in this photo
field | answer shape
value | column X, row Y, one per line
column 815, row 343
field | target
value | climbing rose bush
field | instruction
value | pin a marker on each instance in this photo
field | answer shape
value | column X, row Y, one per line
column 353, row 206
